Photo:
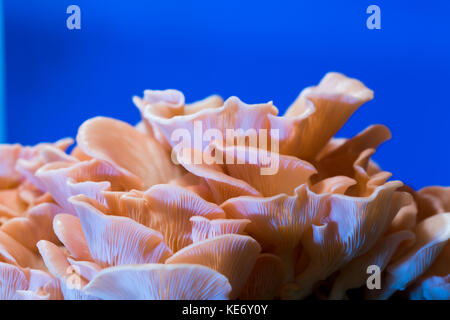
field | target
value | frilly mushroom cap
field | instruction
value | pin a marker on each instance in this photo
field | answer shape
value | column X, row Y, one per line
column 159, row 282
column 354, row 274
column 46, row 155
column 114, row 240
column 245, row 174
column 13, row 252
column 231, row 255
column 128, row 149
column 337, row 184
column 318, row 113
column 170, row 103
column 406, row 218
column 283, row 175
column 234, row 114
column 433, row 200
column 25, row 230
column 432, row 234
column 63, row 180
column 344, row 228
column 434, row 284
column 171, row 208
column 222, row 185
column 166, row 103
column 277, row 222
column 392, row 244
column 11, row 155
column 165, row 208
column 34, row 226
column 340, row 159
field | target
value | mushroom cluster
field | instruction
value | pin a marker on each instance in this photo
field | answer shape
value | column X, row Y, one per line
column 132, row 213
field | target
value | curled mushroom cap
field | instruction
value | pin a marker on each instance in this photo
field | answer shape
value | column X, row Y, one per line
column 114, row 240
column 171, row 208
column 170, row 103
column 130, row 150
column 277, row 222
column 165, row 208
column 318, row 113
column 434, row 284
column 166, row 104
column 234, row 114
column 433, row 200
column 24, row 190
column 14, row 252
column 11, row 155
column 354, row 274
column 222, row 185
column 406, row 218
column 63, row 180
column 267, row 172
column 397, row 239
column 159, row 282
column 337, row 184
column 345, row 228
column 34, row 226
column 232, row 255
column 432, row 234
column 46, row 155
column 340, row 159
column 239, row 171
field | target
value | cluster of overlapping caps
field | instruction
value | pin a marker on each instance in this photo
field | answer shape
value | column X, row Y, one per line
column 118, row 219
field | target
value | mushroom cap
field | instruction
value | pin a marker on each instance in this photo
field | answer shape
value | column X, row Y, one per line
column 231, row 255
column 159, row 282
column 432, row 235
column 127, row 149
column 114, row 240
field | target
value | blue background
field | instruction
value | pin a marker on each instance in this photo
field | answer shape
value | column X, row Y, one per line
column 260, row 51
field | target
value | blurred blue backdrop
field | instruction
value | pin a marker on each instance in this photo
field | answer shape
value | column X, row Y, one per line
column 263, row 50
